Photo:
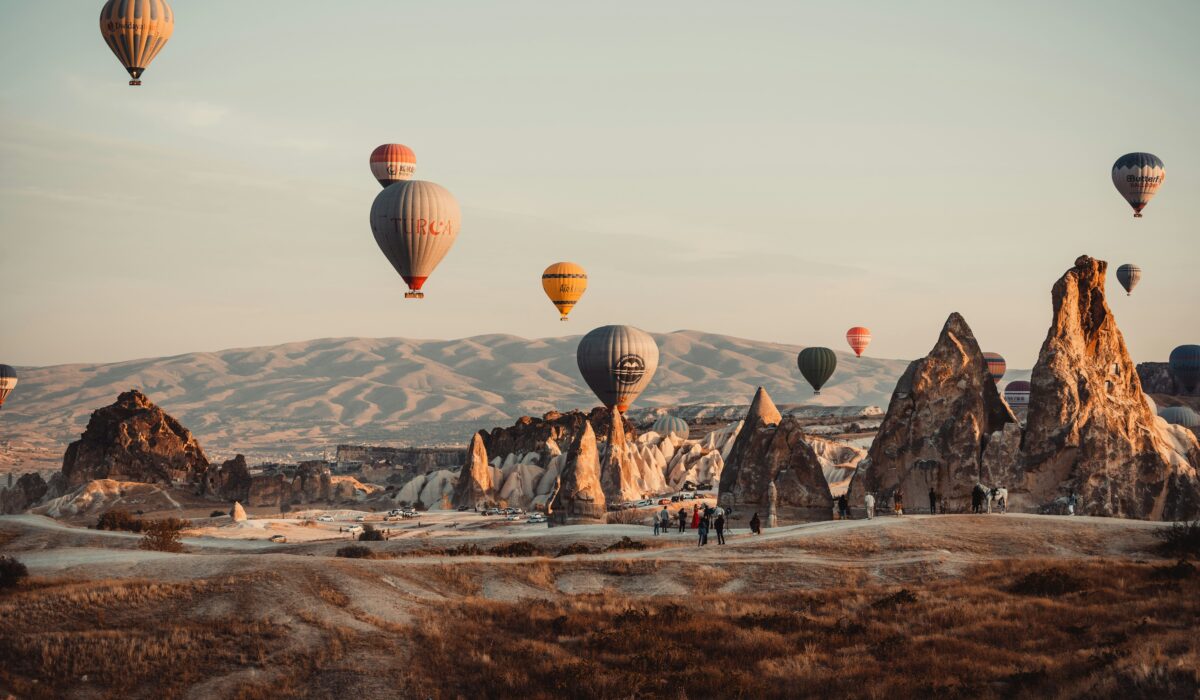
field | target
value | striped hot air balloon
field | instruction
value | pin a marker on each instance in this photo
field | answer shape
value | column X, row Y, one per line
column 1017, row 393
column 1129, row 275
column 817, row 366
column 136, row 30
column 671, row 425
column 8, row 382
column 393, row 162
column 617, row 362
column 996, row 365
column 415, row 224
column 564, row 283
column 1137, row 176
column 1185, row 365
column 859, row 338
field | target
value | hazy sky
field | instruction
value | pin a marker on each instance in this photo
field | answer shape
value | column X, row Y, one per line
column 773, row 170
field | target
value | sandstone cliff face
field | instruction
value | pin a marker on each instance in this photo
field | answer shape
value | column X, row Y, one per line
column 771, row 462
column 578, row 497
column 618, row 476
column 228, row 482
column 532, row 434
column 1089, row 429
column 24, row 494
column 1156, row 378
column 943, row 410
column 133, row 440
column 475, row 487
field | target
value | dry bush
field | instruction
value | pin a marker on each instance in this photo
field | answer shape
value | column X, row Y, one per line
column 333, row 596
column 1181, row 540
column 519, row 548
column 11, row 572
column 1047, row 583
column 355, row 551
column 574, row 548
column 627, row 517
column 625, row 543
column 161, row 537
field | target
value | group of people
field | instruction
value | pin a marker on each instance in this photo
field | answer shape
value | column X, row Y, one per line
column 703, row 519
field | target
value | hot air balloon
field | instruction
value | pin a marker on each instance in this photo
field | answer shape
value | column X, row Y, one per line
column 670, row 425
column 136, row 30
column 859, row 338
column 8, row 381
column 817, row 365
column 1129, row 275
column 564, row 283
column 1137, row 177
column 1185, row 365
column 1181, row 415
column 415, row 224
column 1017, row 393
column 995, row 365
column 617, row 362
column 393, row 162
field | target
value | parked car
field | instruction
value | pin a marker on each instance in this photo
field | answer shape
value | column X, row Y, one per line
column 536, row 518
column 644, row 502
column 462, row 509
column 325, row 518
column 664, row 501
column 512, row 517
column 361, row 519
column 676, row 498
column 278, row 539
column 354, row 529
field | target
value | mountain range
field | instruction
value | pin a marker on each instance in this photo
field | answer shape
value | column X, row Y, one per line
column 296, row 399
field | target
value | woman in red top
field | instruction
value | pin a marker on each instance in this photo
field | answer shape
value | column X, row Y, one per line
column 695, row 517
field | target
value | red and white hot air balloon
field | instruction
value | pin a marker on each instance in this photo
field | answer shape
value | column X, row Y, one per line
column 393, row 162
column 859, row 338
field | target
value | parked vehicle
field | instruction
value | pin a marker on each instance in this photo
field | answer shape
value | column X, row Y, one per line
column 463, row 509
column 325, row 518
column 536, row 518
column 354, row 529
column 361, row 519
column 278, row 539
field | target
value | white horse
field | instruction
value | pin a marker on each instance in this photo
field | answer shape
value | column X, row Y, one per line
column 999, row 496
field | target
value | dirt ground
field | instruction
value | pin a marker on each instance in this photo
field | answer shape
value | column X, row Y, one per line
column 436, row 609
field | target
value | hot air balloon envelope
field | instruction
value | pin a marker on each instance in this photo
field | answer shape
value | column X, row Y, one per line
column 617, row 362
column 8, row 381
column 1181, row 415
column 1137, row 176
column 671, row 425
column 1017, row 393
column 996, row 365
column 136, row 30
column 1129, row 275
column 564, row 283
column 859, row 338
column 415, row 224
column 393, row 162
column 817, row 366
column 1185, row 365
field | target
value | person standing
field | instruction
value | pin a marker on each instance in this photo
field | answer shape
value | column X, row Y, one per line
column 682, row 519
column 1072, row 501
column 719, row 524
column 869, row 505
column 898, row 501
column 932, row 502
column 695, row 516
column 843, row 507
column 664, row 519
column 657, row 525
column 702, row 531
column 755, row 525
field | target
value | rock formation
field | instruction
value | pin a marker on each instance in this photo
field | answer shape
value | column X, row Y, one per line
column 228, row 482
column 617, row 470
column 533, row 434
column 944, row 408
column 475, row 487
column 238, row 513
column 770, row 455
column 24, row 494
column 133, row 440
column 578, row 497
column 312, row 483
column 1089, row 428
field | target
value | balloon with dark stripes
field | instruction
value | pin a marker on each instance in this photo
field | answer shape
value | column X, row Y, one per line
column 1185, row 365
column 817, row 366
column 1129, row 275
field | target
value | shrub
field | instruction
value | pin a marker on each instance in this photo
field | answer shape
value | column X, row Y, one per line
column 355, row 551
column 1180, row 540
column 632, row 516
column 900, row 597
column 119, row 520
column 217, row 514
column 370, row 534
column 575, row 548
column 1050, row 582
column 11, row 572
column 161, row 536
column 625, row 543
column 515, row 549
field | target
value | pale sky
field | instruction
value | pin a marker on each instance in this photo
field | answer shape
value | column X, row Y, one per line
column 771, row 170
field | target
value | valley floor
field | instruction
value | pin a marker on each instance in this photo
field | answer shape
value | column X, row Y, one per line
column 945, row 606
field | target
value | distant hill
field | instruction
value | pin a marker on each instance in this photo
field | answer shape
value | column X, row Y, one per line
column 293, row 399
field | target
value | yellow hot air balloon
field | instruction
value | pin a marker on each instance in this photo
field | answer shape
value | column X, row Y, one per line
column 564, row 283
column 136, row 30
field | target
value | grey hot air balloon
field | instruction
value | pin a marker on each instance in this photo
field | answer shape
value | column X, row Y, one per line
column 817, row 366
column 617, row 362
column 1129, row 275
column 671, row 425
column 1180, row 415
column 415, row 223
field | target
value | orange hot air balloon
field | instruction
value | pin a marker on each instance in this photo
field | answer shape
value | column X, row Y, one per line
column 564, row 283
column 859, row 338
column 393, row 162
column 136, row 30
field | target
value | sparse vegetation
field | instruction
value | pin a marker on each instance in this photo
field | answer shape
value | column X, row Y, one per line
column 217, row 514
column 11, row 572
column 355, row 551
column 370, row 534
column 161, row 536
column 625, row 543
column 519, row 548
column 125, row 521
column 1181, row 540
column 632, row 516
column 574, row 548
